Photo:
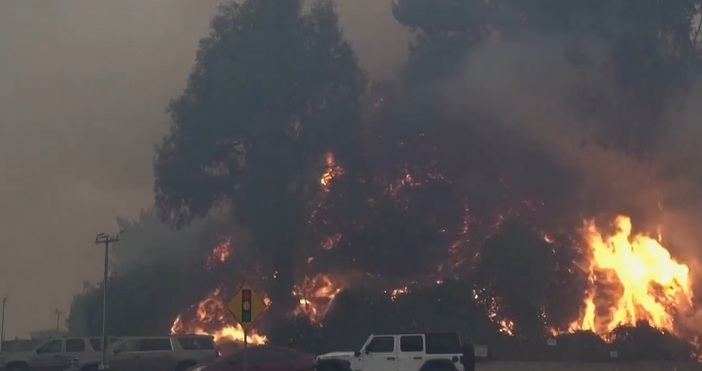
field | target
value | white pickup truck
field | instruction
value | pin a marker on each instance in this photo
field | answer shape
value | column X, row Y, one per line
column 430, row 351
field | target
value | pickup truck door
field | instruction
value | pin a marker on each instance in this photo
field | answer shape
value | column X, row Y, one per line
column 49, row 357
column 380, row 354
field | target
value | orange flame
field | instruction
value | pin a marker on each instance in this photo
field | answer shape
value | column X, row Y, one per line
column 395, row 293
column 316, row 296
column 506, row 325
column 220, row 253
column 211, row 318
column 632, row 278
column 331, row 171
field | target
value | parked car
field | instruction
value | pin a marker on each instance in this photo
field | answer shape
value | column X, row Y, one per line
column 52, row 354
column 261, row 358
column 153, row 353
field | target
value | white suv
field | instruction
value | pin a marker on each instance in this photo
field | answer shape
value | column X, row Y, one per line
column 438, row 351
column 52, row 354
column 169, row 353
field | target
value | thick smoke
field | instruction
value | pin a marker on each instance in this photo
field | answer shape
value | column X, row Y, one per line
column 531, row 96
column 557, row 132
column 524, row 129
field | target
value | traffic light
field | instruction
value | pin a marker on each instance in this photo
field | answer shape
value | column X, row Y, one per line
column 245, row 305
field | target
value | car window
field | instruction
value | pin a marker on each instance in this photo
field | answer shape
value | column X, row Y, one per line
column 196, row 343
column 155, row 344
column 412, row 343
column 75, row 345
column 443, row 343
column 128, row 345
column 52, row 346
column 382, row 344
column 96, row 343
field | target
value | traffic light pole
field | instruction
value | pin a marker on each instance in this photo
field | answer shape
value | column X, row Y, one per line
column 246, row 343
column 246, row 296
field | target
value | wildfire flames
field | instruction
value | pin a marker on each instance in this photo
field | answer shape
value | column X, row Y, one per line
column 316, row 296
column 331, row 171
column 632, row 278
column 211, row 318
column 220, row 254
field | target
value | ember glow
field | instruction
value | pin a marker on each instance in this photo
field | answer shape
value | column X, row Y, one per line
column 316, row 296
column 213, row 318
column 506, row 325
column 331, row 171
column 632, row 278
column 395, row 293
column 220, row 253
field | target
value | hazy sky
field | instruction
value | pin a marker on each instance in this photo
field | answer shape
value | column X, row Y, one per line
column 83, row 86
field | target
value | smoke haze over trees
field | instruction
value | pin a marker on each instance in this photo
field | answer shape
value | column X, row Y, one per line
column 509, row 118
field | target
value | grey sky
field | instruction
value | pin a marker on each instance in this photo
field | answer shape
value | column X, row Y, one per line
column 83, row 86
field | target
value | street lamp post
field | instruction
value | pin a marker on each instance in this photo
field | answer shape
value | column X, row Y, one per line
column 58, row 314
column 2, row 322
column 105, row 239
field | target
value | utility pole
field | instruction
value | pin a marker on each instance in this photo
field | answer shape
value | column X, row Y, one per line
column 2, row 323
column 58, row 314
column 105, row 239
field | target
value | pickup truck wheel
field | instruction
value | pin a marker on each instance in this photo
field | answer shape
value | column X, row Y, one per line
column 17, row 367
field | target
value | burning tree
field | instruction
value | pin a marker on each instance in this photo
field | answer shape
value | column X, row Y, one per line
column 274, row 89
column 422, row 179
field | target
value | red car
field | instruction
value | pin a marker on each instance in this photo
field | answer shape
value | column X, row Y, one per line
column 262, row 358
